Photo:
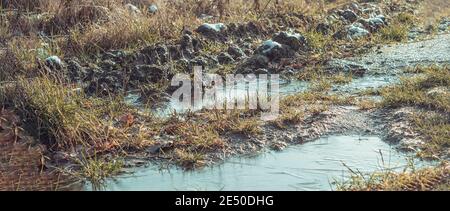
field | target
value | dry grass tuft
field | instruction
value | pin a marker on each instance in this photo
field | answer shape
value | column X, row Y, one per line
column 427, row 179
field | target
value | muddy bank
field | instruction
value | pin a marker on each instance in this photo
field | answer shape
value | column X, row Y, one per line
column 273, row 44
column 347, row 119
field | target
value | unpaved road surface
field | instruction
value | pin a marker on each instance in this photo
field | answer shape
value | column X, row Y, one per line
column 395, row 57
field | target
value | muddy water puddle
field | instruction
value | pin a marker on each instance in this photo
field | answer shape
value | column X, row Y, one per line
column 311, row 166
column 244, row 91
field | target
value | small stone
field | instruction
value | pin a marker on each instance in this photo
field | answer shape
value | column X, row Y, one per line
column 355, row 7
column 356, row 31
column 132, row 9
column 323, row 28
column 152, row 9
column 274, row 50
column 349, row 15
column 211, row 30
column 205, row 17
column 267, row 46
column 374, row 24
column 294, row 40
column 54, row 62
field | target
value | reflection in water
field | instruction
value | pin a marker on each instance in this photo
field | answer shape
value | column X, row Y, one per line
column 312, row 166
column 286, row 88
column 241, row 94
column 367, row 82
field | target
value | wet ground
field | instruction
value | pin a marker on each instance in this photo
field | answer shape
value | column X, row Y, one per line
column 426, row 52
column 312, row 166
column 319, row 149
column 383, row 67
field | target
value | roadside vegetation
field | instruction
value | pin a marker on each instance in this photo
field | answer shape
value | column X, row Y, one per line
column 84, row 122
column 430, row 93
column 63, row 117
